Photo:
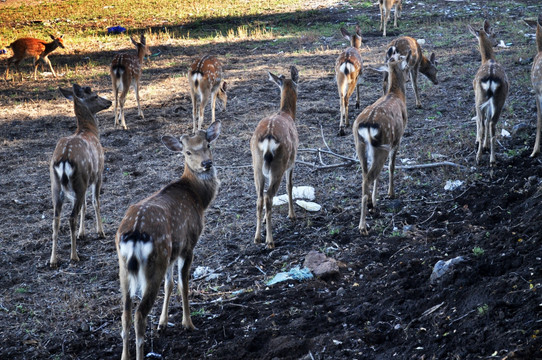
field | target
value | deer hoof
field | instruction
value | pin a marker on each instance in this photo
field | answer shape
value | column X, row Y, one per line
column 341, row 131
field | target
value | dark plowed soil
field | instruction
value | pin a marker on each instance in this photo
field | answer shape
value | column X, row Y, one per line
column 383, row 305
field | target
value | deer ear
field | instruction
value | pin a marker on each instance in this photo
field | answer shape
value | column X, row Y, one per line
column 381, row 68
column 77, row 90
column 52, row 37
column 345, row 34
column 133, row 41
column 142, row 39
column 276, row 79
column 432, row 59
column 224, row 86
column 294, row 73
column 213, row 131
column 472, row 31
column 172, row 143
column 540, row 20
column 68, row 93
column 358, row 30
column 487, row 27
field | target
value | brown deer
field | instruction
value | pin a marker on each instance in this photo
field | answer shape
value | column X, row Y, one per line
column 77, row 164
column 418, row 63
column 385, row 12
column 125, row 72
column 378, row 131
column 162, row 229
column 490, row 91
column 34, row 48
column 536, row 79
column 348, row 68
column 205, row 77
column 274, row 147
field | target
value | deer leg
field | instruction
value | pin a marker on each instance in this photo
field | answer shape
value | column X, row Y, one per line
column 6, row 74
column 479, row 132
column 145, row 306
column 386, row 18
column 81, row 233
column 289, row 187
column 391, row 189
column 136, row 90
column 46, row 59
column 536, row 148
column 96, row 204
column 340, row 82
column 213, row 105
column 168, row 288
column 414, row 75
column 395, row 15
column 492, row 139
column 78, row 204
column 357, row 94
column 57, row 210
column 268, row 198
column 364, row 199
column 35, row 64
column 126, row 309
column 185, row 274
column 204, row 101
column 259, row 182
column 121, row 111
column 381, row 17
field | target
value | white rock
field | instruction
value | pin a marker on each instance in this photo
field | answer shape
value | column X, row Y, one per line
column 308, row 205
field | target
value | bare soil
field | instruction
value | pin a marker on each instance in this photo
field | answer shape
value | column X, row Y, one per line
column 383, row 305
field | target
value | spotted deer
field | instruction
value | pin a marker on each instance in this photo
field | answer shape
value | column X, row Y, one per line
column 418, row 63
column 33, row 48
column 274, row 147
column 378, row 131
column 162, row 229
column 205, row 79
column 77, row 164
column 385, row 12
column 126, row 71
column 536, row 80
column 348, row 68
column 490, row 91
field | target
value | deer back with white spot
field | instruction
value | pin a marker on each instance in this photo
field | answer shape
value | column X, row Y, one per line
column 163, row 228
column 77, row 164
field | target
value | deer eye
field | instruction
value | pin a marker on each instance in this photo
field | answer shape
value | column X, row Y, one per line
column 188, row 153
column 208, row 146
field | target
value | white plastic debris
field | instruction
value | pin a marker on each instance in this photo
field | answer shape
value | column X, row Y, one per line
column 452, row 184
column 505, row 133
column 502, row 44
column 205, row 271
column 308, row 205
column 421, row 41
column 298, row 192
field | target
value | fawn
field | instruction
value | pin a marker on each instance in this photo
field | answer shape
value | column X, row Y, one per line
column 490, row 91
column 205, row 78
column 274, row 147
column 418, row 63
column 162, row 229
column 378, row 131
column 36, row 49
column 348, row 68
column 76, row 165
column 125, row 72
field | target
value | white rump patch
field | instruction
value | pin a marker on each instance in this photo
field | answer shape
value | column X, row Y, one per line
column 62, row 168
column 347, row 65
column 367, row 133
column 141, row 251
column 267, row 146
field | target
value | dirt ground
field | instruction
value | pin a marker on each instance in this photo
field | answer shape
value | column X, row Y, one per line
column 383, row 305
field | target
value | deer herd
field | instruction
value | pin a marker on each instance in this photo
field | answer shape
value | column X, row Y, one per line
column 166, row 226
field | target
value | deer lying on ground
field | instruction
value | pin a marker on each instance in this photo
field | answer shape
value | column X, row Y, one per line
column 34, row 48
column 76, row 165
column 385, row 12
column 536, row 79
column 205, row 77
column 348, row 68
column 418, row 63
column 490, row 90
column 162, row 229
column 125, row 72
column 274, row 147
column 378, row 131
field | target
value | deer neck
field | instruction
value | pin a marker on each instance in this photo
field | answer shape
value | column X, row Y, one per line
column 396, row 85
column 486, row 49
column 141, row 53
column 86, row 122
column 288, row 102
column 50, row 47
column 204, row 186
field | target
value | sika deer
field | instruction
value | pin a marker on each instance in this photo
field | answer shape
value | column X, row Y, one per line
column 34, row 48
column 490, row 90
column 274, row 146
column 378, row 131
column 418, row 63
column 125, row 72
column 385, row 12
column 536, row 79
column 204, row 77
column 76, row 165
column 161, row 229
column 348, row 68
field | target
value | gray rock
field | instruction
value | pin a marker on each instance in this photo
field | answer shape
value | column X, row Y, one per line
column 444, row 267
column 321, row 266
